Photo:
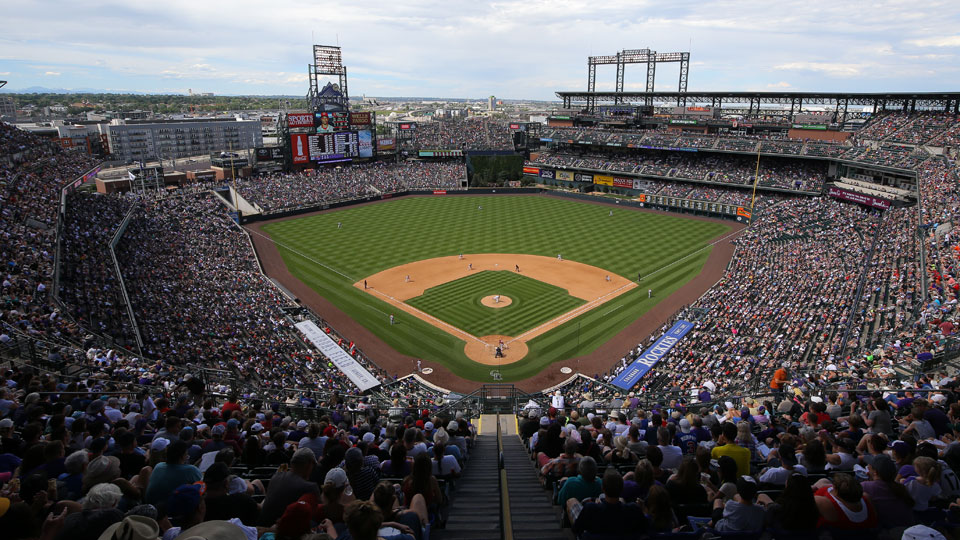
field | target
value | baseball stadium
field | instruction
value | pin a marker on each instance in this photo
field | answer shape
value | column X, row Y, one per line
column 652, row 314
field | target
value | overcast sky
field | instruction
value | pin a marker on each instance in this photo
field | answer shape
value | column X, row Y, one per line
column 449, row 48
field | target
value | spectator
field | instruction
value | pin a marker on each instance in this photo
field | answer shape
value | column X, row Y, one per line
column 585, row 485
column 609, row 515
column 842, row 505
column 287, row 486
column 728, row 447
column 741, row 513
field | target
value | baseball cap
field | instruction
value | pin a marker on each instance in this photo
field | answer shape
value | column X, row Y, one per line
column 901, row 448
column 218, row 429
column 216, row 473
column 684, row 426
column 544, row 421
column 428, row 426
column 369, row 437
column 336, row 476
column 159, row 444
column 256, row 428
column 922, row 532
column 453, row 426
column 295, row 520
column 233, row 422
column 353, row 455
column 302, row 424
column 885, row 467
column 6, row 423
column 185, row 500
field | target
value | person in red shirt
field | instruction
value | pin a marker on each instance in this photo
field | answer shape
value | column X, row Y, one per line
column 843, row 505
column 780, row 378
column 229, row 406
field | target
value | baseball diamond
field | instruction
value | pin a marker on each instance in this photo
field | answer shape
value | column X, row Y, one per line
column 396, row 248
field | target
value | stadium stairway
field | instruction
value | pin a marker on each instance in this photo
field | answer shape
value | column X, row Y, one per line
column 475, row 503
column 534, row 515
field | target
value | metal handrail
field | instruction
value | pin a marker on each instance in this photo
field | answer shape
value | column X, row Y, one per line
column 506, row 520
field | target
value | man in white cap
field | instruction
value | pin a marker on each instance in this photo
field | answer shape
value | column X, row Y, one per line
column 557, row 401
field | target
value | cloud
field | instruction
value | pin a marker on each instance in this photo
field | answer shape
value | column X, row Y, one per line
column 52, row 73
column 939, row 41
column 4, row 73
column 781, row 84
column 830, row 68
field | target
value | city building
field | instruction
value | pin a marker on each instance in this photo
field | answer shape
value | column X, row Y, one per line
column 168, row 139
column 8, row 109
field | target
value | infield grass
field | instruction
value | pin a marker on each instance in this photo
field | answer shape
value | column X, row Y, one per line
column 458, row 303
column 383, row 235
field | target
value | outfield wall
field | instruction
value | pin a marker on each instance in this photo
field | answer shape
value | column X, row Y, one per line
column 670, row 204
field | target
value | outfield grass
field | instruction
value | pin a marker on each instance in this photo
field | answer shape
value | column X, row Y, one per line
column 380, row 236
column 458, row 303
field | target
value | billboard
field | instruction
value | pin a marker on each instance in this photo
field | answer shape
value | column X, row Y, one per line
column 269, row 153
column 546, row 173
column 859, row 198
column 300, row 120
column 642, row 197
column 565, row 175
column 300, row 147
column 628, row 378
column 406, row 126
column 328, row 122
column 580, row 177
column 386, row 144
column 638, row 184
column 360, row 119
column 364, row 144
column 531, row 170
column 603, row 180
column 623, row 182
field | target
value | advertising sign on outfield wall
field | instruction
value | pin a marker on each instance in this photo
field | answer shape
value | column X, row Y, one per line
column 546, row 173
column 603, row 180
column 580, row 177
column 565, row 175
column 629, row 377
column 300, row 120
column 623, row 182
column 531, row 170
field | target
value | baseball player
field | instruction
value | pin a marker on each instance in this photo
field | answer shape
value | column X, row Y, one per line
column 391, row 319
column 518, row 268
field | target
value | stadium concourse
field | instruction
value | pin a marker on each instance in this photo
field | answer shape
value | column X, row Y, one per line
column 807, row 383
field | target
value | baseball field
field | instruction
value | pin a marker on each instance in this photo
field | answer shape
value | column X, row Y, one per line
column 449, row 278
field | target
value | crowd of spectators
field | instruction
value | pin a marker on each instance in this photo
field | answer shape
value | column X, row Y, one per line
column 286, row 191
column 728, row 169
column 456, row 134
column 86, row 461
column 844, row 463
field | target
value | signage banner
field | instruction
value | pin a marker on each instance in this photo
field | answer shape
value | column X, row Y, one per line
column 300, row 120
column 638, row 184
column 580, row 177
column 603, row 180
column 340, row 358
column 684, row 122
column 406, row 126
column 623, row 182
column 565, row 175
column 300, row 147
column 642, row 197
column 628, row 378
column 531, row 170
column 545, row 173
column 439, row 192
column 859, row 198
column 819, row 127
column 360, row 119
column 741, row 211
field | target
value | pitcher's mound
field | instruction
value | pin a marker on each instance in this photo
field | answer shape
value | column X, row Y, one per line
column 484, row 351
column 490, row 301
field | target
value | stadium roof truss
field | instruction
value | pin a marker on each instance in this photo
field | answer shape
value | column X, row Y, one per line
column 638, row 56
column 754, row 101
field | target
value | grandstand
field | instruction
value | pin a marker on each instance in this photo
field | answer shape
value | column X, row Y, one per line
column 145, row 349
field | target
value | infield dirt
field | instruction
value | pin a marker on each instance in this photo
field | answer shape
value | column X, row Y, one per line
column 398, row 284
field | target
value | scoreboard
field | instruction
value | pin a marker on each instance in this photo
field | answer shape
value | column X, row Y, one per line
column 333, row 146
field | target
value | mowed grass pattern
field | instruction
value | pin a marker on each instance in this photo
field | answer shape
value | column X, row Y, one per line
column 458, row 303
column 383, row 235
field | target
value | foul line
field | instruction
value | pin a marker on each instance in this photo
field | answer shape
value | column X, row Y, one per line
column 593, row 303
column 612, row 310
column 423, row 315
column 311, row 259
